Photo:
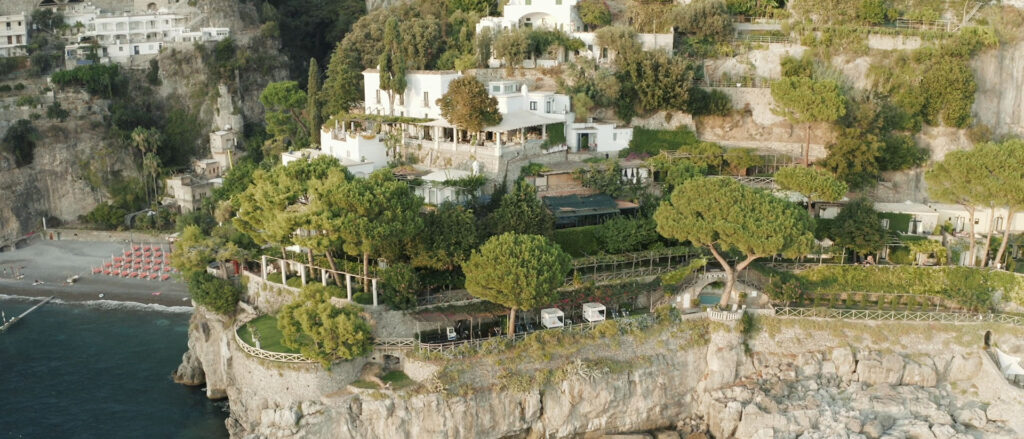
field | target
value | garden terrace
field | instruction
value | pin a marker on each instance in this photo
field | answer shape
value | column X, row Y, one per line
column 601, row 269
column 968, row 288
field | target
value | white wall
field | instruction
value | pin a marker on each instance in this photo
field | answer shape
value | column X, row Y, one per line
column 13, row 34
column 354, row 148
column 434, row 84
column 603, row 137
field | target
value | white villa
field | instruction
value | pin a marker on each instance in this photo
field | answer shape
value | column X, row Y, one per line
column 923, row 218
column 122, row 36
column 561, row 15
column 13, row 34
column 526, row 115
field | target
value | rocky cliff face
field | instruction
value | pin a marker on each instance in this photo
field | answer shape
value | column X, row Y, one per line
column 999, row 102
column 820, row 381
column 57, row 182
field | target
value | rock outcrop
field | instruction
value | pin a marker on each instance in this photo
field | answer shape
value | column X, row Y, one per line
column 820, row 388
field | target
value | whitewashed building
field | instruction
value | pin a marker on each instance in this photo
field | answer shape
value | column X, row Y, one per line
column 13, row 34
column 423, row 89
column 123, row 36
column 434, row 191
column 187, row 192
column 560, row 15
column 360, row 152
column 547, row 14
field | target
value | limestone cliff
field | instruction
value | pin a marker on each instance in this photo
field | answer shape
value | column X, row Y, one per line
column 74, row 157
column 999, row 102
column 800, row 378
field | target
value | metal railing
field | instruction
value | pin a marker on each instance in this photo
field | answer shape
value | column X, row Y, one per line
column 905, row 316
column 763, row 39
column 446, row 298
column 268, row 355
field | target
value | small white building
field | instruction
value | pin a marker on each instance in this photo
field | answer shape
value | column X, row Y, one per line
column 13, row 34
column 224, row 147
column 561, row 15
column 361, row 152
column 959, row 218
column 423, row 89
column 187, row 192
column 435, row 191
column 547, row 14
column 923, row 218
column 596, row 136
column 593, row 312
column 552, row 318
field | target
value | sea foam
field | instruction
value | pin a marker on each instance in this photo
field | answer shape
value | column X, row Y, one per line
column 109, row 305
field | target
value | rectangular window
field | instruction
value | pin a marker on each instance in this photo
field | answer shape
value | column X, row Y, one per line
column 378, row 97
column 529, row 2
column 615, row 137
column 495, row 89
column 885, row 223
column 533, row 105
column 558, row 2
column 426, row 99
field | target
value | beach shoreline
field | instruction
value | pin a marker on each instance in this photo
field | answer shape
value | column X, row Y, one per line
column 46, row 265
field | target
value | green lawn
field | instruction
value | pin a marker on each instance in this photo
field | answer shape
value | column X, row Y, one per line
column 654, row 141
column 398, row 379
column 270, row 336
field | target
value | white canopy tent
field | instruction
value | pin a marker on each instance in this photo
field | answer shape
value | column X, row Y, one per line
column 593, row 312
column 1008, row 364
column 552, row 318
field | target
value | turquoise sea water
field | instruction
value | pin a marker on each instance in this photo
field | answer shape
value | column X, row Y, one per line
column 99, row 371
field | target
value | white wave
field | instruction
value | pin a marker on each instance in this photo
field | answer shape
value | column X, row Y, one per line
column 118, row 305
column 109, row 305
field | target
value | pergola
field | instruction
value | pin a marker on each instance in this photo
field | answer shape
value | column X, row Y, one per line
column 511, row 130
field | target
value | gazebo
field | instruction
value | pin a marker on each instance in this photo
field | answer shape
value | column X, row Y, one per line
column 552, row 318
column 593, row 312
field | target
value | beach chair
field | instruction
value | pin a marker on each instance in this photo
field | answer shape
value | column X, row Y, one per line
column 165, row 277
column 153, row 276
column 146, row 248
column 167, row 269
column 106, row 272
column 136, row 247
column 96, row 270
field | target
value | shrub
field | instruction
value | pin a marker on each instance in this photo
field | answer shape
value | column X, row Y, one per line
column 401, row 285
column 623, row 235
column 322, row 331
column 218, row 295
column 54, row 111
column 106, row 216
column 578, row 241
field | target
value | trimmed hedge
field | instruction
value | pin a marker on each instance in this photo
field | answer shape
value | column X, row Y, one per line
column 968, row 287
column 578, row 241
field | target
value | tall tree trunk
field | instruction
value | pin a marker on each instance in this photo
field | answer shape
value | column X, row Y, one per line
column 366, row 272
column 309, row 256
column 512, row 323
column 988, row 238
column 1006, row 235
column 730, row 274
column 223, row 268
column 334, row 269
column 807, row 149
column 973, row 247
